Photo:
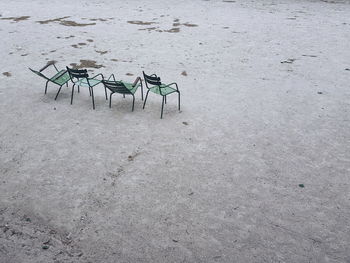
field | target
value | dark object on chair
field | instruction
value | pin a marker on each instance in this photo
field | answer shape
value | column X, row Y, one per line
column 80, row 77
column 123, row 88
column 158, row 88
column 60, row 78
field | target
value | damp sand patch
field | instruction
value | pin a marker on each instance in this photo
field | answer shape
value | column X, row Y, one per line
column 141, row 23
column 16, row 19
column 43, row 22
column 62, row 21
column 148, row 28
column 189, row 25
column 101, row 52
column 86, row 64
column 73, row 23
column 173, row 30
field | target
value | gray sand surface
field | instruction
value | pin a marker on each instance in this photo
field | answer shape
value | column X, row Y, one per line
column 255, row 167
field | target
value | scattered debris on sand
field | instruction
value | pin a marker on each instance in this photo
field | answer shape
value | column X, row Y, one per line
column 184, row 73
column 7, row 74
column 16, row 19
column 89, row 40
column 129, row 74
column 185, row 123
column 86, row 64
column 133, row 156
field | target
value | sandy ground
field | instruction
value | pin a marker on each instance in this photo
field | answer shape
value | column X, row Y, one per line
column 255, row 168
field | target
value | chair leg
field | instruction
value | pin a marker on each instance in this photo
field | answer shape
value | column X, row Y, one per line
column 106, row 93
column 179, row 100
column 78, row 89
column 124, row 96
column 71, row 98
column 67, row 84
column 93, row 100
column 47, row 82
column 58, row 92
column 145, row 100
column 133, row 102
column 141, row 90
column 165, row 99
column 90, row 91
column 161, row 115
column 110, row 100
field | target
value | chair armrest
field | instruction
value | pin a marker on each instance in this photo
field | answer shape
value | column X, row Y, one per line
column 97, row 76
column 52, row 63
column 138, row 79
column 168, row 85
column 111, row 76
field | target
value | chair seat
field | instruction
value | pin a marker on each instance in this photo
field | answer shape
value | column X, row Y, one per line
column 84, row 83
column 165, row 90
column 60, row 77
column 130, row 87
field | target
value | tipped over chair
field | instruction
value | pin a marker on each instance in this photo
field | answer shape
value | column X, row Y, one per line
column 60, row 78
column 154, row 84
column 80, row 78
column 122, row 87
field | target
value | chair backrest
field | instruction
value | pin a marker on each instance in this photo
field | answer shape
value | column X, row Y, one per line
column 116, row 86
column 77, row 73
column 39, row 74
column 152, row 80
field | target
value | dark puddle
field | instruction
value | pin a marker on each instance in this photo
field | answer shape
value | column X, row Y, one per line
column 16, row 19
column 86, row 64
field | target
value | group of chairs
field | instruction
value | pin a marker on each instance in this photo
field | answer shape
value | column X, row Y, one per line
column 80, row 78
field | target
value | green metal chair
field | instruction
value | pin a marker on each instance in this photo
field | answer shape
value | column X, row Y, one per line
column 124, row 88
column 80, row 78
column 157, row 87
column 60, row 78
